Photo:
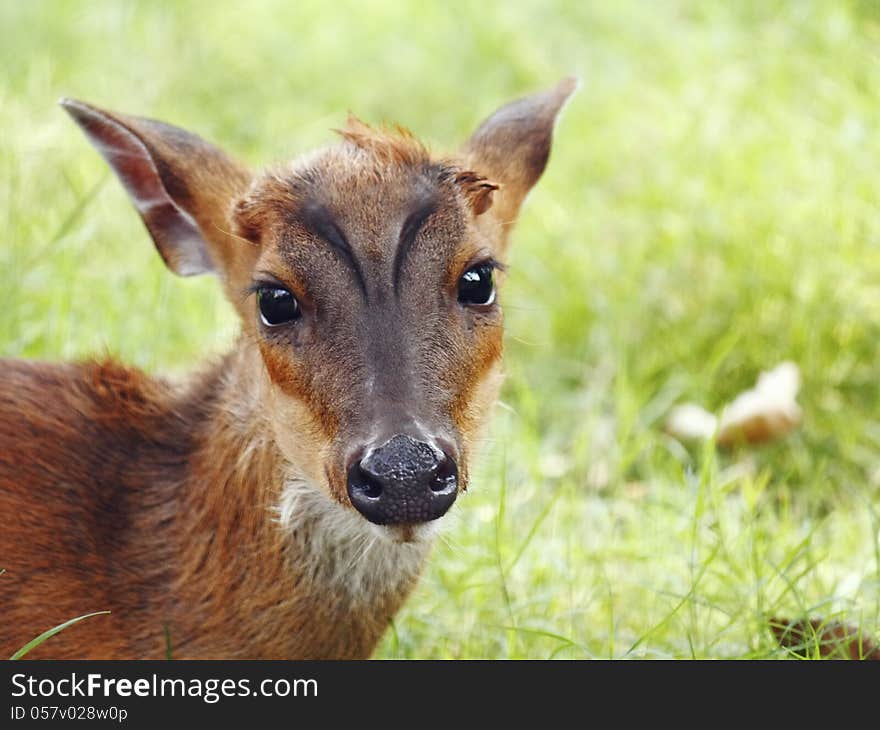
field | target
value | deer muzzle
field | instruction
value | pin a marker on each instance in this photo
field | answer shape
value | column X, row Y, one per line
column 403, row 482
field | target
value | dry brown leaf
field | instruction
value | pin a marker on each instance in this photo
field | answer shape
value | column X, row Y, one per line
column 766, row 412
column 833, row 639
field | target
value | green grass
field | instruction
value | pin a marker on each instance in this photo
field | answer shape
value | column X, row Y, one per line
column 46, row 635
column 711, row 208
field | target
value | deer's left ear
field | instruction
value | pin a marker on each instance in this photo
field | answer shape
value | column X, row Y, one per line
column 512, row 147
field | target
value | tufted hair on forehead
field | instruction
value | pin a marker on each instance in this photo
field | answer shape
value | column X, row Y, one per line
column 397, row 146
column 385, row 152
column 394, row 145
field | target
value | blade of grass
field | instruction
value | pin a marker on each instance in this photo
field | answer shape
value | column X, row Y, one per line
column 34, row 643
column 535, row 525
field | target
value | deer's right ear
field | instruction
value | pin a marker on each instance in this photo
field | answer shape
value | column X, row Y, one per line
column 182, row 186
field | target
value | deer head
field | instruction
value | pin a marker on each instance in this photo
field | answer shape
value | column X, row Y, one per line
column 365, row 275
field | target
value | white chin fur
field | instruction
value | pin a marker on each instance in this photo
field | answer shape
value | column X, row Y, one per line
column 339, row 549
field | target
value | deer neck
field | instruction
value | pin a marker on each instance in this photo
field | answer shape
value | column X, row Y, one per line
column 264, row 551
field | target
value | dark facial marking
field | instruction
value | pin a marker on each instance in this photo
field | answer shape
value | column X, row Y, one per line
column 408, row 233
column 317, row 218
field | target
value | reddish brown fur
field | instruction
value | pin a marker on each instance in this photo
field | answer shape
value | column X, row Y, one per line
column 396, row 146
column 214, row 511
column 196, row 576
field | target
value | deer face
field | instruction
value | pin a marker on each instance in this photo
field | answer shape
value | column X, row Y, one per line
column 366, row 276
column 375, row 311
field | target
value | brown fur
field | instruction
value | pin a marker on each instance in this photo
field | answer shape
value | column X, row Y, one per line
column 396, row 146
column 215, row 511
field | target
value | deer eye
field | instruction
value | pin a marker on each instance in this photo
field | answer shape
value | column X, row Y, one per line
column 477, row 285
column 277, row 306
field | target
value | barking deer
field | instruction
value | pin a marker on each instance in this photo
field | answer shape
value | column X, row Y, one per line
column 280, row 502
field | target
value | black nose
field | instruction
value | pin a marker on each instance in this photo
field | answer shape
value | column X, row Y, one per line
column 403, row 481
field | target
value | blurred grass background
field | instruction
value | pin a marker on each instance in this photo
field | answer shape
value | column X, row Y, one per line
column 710, row 209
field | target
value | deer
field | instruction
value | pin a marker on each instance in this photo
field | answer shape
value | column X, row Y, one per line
column 279, row 501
